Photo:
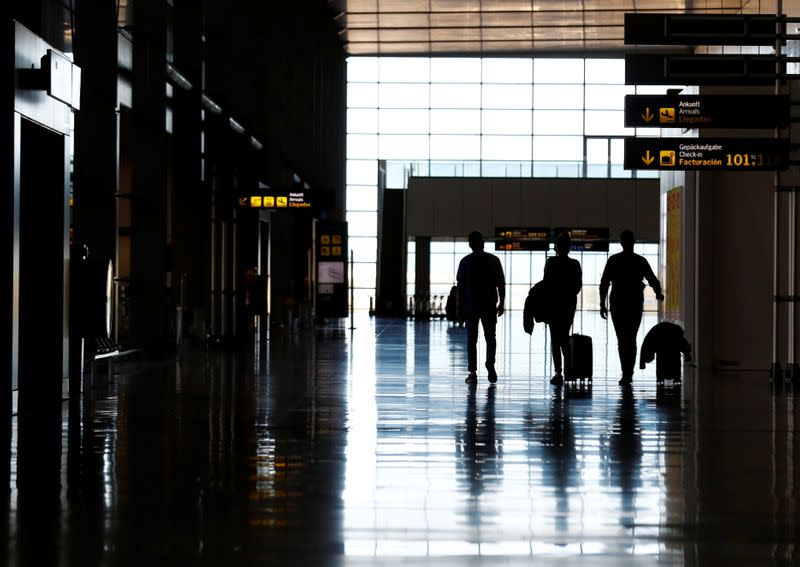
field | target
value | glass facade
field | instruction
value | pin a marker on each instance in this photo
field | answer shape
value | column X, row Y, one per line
column 478, row 117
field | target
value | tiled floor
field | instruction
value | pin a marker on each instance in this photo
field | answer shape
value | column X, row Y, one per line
column 365, row 447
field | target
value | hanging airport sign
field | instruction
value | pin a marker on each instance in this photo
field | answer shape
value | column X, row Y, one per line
column 703, row 29
column 701, row 154
column 276, row 201
column 671, row 69
column 707, row 111
column 514, row 238
column 585, row 239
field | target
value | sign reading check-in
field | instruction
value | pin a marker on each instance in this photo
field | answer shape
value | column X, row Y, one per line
column 707, row 111
column 721, row 154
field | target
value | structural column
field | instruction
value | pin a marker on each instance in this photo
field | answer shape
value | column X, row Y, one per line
column 95, row 174
column 422, row 286
column 191, row 191
column 148, row 299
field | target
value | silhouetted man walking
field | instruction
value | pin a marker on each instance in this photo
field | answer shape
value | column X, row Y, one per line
column 624, row 272
column 481, row 283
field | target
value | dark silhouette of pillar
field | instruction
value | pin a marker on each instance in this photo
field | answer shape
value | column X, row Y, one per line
column 422, row 287
column 148, row 290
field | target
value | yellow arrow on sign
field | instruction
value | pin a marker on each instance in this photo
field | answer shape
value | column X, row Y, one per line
column 648, row 159
column 648, row 116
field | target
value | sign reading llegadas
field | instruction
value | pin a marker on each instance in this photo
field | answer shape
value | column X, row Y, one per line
column 707, row 111
column 276, row 201
column 720, row 154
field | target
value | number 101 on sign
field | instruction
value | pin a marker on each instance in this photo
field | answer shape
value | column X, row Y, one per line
column 744, row 160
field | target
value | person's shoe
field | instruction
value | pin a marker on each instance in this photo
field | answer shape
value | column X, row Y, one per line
column 492, row 373
column 557, row 380
column 626, row 381
column 472, row 377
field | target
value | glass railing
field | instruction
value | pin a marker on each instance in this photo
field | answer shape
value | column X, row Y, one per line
column 399, row 171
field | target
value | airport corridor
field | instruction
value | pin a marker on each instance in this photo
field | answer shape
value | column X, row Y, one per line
column 365, row 447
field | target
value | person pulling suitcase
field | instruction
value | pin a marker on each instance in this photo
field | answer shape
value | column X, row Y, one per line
column 563, row 279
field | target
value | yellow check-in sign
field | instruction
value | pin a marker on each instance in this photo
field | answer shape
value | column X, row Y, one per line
column 269, row 201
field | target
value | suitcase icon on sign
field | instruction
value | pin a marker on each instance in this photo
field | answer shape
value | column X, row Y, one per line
column 666, row 158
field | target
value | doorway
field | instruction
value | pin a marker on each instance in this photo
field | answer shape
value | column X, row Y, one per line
column 43, row 333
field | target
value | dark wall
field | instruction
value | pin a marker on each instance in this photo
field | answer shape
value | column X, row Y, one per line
column 280, row 69
column 281, row 66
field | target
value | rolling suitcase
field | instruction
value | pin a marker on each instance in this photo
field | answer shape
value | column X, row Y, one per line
column 578, row 363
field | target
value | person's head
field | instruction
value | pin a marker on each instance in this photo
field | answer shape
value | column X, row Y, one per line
column 563, row 243
column 626, row 239
column 475, row 241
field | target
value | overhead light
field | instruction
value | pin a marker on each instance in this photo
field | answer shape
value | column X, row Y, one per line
column 255, row 143
column 235, row 126
column 210, row 105
column 177, row 79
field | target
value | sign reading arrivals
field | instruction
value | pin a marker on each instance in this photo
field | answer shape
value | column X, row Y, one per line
column 510, row 238
column 293, row 200
column 703, row 154
column 707, row 111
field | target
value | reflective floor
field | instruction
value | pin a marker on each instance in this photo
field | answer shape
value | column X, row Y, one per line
column 365, row 447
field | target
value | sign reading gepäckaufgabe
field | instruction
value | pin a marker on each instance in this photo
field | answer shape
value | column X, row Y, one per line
column 722, row 154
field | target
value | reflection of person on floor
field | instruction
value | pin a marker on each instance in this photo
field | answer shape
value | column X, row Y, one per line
column 563, row 278
column 625, row 456
column 480, row 448
column 624, row 272
column 559, row 460
column 481, row 295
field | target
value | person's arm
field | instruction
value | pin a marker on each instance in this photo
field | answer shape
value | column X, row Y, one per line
column 605, row 280
column 579, row 278
column 652, row 279
column 459, row 289
column 547, row 268
column 501, row 289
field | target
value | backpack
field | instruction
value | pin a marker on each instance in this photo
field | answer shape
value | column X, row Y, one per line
column 535, row 307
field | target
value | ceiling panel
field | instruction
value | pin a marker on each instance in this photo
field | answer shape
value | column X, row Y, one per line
column 430, row 27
